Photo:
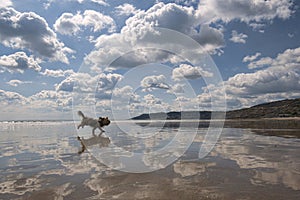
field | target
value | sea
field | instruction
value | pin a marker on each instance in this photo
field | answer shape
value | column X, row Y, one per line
column 149, row 160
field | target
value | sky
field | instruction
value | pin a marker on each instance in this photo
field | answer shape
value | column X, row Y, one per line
column 124, row 58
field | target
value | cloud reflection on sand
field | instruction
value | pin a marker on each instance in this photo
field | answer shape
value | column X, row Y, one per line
column 186, row 169
column 21, row 185
column 42, row 161
column 273, row 160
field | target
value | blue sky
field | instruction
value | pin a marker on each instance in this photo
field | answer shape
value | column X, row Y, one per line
column 54, row 56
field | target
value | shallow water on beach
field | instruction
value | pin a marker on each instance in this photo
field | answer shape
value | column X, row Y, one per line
column 40, row 160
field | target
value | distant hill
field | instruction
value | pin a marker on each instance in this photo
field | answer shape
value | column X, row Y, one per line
column 283, row 108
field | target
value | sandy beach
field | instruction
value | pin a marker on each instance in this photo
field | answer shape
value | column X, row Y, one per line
column 41, row 161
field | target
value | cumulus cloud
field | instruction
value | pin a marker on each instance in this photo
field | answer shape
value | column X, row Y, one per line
column 126, row 9
column 289, row 58
column 263, row 62
column 280, row 79
column 100, row 2
column 175, row 17
column 85, row 83
column 48, row 3
column 246, row 11
column 172, row 16
column 251, row 58
column 151, row 104
column 30, row 31
column 238, row 37
column 199, row 23
column 185, row 71
column 151, row 99
column 55, row 100
column 42, row 105
column 101, row 85
column 16, row 83
column 108, row 81
column 264, row 81
column 86, row 89
column 139, row 32
column 151, row 82
column 210, row 38
column 12, row 98
column 57, row 73
column 106, row 84
column 177, row 89
column 70, row 24
column 6, row 3
column 19, row 62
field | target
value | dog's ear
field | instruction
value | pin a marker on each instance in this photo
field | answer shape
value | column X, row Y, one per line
column 101, row 118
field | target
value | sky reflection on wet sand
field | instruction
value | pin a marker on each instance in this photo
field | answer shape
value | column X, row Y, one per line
column 41, row 160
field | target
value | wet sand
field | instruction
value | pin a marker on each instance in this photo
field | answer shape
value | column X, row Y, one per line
column 41, row 161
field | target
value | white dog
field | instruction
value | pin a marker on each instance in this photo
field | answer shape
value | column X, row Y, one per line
column 94, row 123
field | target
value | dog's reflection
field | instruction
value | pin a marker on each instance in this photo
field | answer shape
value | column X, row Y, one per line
column 95, row 140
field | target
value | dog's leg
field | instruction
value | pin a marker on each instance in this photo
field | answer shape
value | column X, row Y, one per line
column 80, row 125
column 101, row 131
column 94, row 130
column 100, row 134
column 83, row 147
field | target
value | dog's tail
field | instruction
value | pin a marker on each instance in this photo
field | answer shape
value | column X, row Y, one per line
column 80, row 114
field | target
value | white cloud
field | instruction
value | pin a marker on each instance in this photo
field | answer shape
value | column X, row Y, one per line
column 84, row 81
column 126, row 9
column 12, row 98
column 196, row 23
column 48, row 3
column 139, row 33
column 45, row 95
column 185, row 71
column 245, row 11
column 266, row 61
column 175, row 17
column 210, row 38
column 152, row 100
column 257, row 26
column 251, row 58
column 69, row 24
column 100, row 2
column 45, row 104
column 57, row 73
column 19, row 62
column 177, row 89
column 155, row 81
column 238, row 37
column 271, row 80
column 172, row 16
column 152, row 104
column 280, row 79
column 30, row 31
column 6, row 3
column 16, row 83
column 106, row 84
column 49, row 99
column 125, row 92
column 99, row 85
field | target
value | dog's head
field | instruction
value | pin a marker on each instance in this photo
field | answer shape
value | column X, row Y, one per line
column 104, row 121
